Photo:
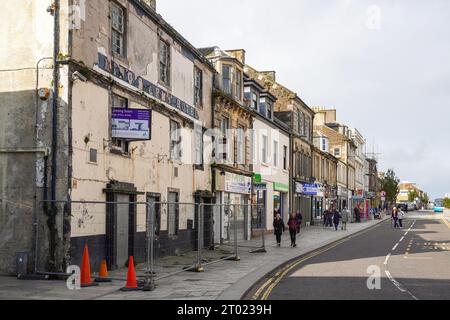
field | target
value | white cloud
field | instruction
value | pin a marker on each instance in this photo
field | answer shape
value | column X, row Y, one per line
column 392, row 84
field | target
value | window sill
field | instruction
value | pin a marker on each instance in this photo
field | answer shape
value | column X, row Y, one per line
column 166, row 86
column 121, row 58
column 199, row 167
column 120, row 153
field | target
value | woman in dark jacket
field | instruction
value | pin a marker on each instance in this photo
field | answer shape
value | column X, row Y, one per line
column 293, row 224
column 278, row 228
column 336, row 218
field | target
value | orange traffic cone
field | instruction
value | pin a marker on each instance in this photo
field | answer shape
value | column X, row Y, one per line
column 103, row 273
column 86, row 280
column 131, row 278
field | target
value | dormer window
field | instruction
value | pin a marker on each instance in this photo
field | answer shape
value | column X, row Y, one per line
column 324, row 144
column 269, row 106
column 226, row 78
column 254, row 100
column 337, row 152
column 238, row 85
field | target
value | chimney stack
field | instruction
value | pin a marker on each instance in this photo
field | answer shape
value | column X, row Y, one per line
column 271, row 75
column 238, row 54
column 150, row 3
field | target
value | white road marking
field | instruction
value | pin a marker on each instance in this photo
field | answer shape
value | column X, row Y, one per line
column 388, row 274
column 387, row 259
column 398, row 285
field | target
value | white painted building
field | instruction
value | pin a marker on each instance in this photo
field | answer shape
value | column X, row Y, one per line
column 133, row 100
column 270, row 154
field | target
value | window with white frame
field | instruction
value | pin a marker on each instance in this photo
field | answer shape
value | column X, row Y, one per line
column 254, row 100
column 120, row 145
column 198, row 87
column 337, row 152
column 324, row 144
column 307, row 123
column 275, row 153
column 164, row 62
column 117, row 29
column 269, row 108
column 175, row 141
column 222, row 142
column 238, row 85
column 241, row 145
column 226, row 78
column 199, row 146
column 264, row 149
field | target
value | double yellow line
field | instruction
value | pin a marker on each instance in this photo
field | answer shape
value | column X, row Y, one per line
column 446, row 222
column 266, row 289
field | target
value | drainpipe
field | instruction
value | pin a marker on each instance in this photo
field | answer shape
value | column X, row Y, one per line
column 53, row 211
column 291, row 172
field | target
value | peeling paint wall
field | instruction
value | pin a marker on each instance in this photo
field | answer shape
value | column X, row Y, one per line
column 148, row 166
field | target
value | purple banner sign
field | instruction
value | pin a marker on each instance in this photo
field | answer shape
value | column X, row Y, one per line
column 131, row 124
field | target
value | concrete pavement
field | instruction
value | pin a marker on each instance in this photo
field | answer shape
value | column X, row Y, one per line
column 224, row 280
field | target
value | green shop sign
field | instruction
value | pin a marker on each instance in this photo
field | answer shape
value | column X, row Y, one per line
column 280, row 187
column 257, row 178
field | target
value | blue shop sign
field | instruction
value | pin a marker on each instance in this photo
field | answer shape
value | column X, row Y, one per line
column 310, row 189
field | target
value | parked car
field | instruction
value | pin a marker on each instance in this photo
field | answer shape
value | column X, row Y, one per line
column 411, row 206
column 402, row 206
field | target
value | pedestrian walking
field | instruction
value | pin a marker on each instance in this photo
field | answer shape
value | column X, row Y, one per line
column 357, row 215
column 345, row 217
column 292, row 224
column 336, row 218
column 329, row 219
column 299, row 217
column 401, row 216
column 325, row 217
column 395, row 217
column 278, row 228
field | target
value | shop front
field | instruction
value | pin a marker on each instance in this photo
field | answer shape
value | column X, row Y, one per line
column 281, row 199
column 303, row 200
column 319, row 202
column 359, row 201
column 330, row 200
column 342, row 198
column 232, row 189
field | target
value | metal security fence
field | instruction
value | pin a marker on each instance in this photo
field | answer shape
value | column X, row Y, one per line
column 113, row 231
column 164, row 238
column 193, row 249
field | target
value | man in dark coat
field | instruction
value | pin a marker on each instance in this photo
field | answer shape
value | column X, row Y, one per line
column 357, row 215
column 278, row 228
column 336, row 218
column 299, row 217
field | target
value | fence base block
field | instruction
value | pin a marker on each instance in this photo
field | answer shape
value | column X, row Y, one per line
column 260, row 250
column 236, row 258
column 102, row 280
column 32, row 277
column 149, row 285
column 89, row 285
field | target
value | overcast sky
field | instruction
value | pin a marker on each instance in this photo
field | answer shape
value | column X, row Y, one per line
column 388, row 77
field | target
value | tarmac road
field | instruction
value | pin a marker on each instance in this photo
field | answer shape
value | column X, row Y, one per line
column 398, row 264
